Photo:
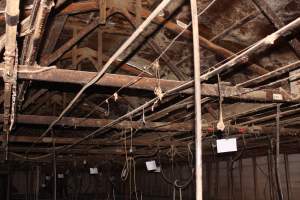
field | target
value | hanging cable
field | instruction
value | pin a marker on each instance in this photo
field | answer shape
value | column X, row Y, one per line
column 277, row 153
column 220, row 124
column 175, row 182
column 129, row 167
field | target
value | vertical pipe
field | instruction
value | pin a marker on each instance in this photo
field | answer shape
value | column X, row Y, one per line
column 241, row 178
column 37, row 184
column 8, row 184
column 287, row 176
column 198, row 124
column 228, row 176
column 270, row 174
column 54, row 171
column 208, row 179
column 279, row 189
column 254, row 177
column 217, row 181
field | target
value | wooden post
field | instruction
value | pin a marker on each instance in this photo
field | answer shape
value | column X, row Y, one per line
column 37, row 183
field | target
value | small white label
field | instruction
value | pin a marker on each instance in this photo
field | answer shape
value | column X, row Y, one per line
column 94, row 170
column 61, row 176
column 151, row 165
column 47, row 178
column 181, row 24
column 226, row 145
column 277, row 97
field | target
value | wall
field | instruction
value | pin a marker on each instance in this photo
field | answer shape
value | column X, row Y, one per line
column 243, row 185
column 218, row 181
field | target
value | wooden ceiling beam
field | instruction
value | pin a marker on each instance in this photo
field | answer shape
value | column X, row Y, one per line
column 144, row 83
column 234, row 130
column 92, row 5
column 95, row 123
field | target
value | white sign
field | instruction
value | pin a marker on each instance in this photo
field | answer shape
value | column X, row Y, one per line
column 151, row 165
column 60, row 176
column 94, row 170
column 226, row 145
column 277, row 97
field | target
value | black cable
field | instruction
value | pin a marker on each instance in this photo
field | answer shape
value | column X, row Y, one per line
column 176, row 183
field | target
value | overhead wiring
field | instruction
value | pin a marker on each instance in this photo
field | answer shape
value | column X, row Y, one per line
column 137, row 32
column 181, row 87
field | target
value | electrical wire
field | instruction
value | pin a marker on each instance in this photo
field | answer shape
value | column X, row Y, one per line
column 183, row 86
column 175, row 183
column 124, row 46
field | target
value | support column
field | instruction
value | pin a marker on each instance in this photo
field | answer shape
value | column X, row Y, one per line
column 198, row 124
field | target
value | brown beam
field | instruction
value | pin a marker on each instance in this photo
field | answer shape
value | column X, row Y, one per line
column 69, row 140
column 95, row 123
column 144, row 83
column 53, row 35
column 136, row 141
column 159, row 126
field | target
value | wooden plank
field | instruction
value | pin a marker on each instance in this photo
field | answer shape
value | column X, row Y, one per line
column 54, row 33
